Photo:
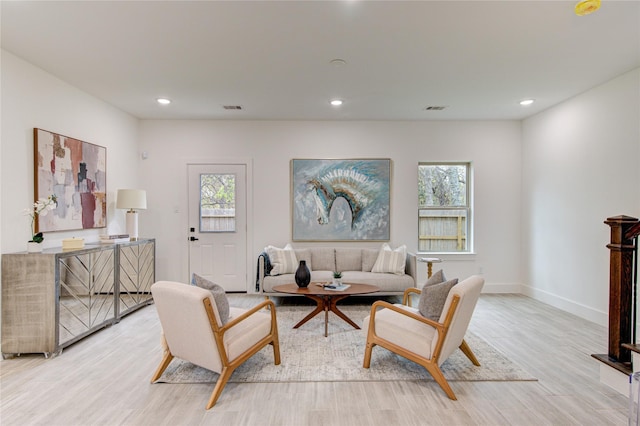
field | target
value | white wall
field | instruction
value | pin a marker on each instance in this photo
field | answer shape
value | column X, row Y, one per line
column 493, row 147
column 579, row 165
column 34, row 98
column 581, row 162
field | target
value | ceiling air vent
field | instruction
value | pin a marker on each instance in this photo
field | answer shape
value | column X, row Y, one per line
column 233, row 107
column 435, row 108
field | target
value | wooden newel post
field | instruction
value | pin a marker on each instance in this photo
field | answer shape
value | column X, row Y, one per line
column 621, row 250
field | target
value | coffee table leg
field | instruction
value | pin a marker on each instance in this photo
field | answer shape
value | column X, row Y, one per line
column 326, row 304
column 319, row 308
column 326, row 319
column 339, row 313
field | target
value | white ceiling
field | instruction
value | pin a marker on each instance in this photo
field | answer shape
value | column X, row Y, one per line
column 478, row 58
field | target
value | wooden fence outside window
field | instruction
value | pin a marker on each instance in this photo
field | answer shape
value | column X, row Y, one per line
column 218, row 220
column 442, row 233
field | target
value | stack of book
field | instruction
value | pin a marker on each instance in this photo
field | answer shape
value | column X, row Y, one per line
column 114, row 238
column 336, row 287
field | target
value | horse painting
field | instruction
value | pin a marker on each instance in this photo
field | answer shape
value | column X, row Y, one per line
column 341, row 199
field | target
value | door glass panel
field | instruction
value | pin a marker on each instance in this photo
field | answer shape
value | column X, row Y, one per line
column 217, row 202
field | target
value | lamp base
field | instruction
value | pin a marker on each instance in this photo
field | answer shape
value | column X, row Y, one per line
column 132, row 225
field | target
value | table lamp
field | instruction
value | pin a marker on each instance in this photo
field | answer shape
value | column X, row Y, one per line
column 132, row 199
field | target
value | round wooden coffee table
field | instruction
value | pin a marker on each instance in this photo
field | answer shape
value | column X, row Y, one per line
column 326, row 299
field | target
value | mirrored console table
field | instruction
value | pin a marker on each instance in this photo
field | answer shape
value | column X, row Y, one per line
column 55, row 298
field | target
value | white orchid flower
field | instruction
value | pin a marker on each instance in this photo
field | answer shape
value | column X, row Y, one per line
column 40, row 207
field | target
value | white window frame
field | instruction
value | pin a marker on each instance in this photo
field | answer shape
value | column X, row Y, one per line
column 466, row 208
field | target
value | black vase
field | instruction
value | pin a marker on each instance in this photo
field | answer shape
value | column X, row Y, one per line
column 303, row 275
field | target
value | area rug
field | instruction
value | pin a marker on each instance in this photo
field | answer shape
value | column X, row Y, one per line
column 308, row 356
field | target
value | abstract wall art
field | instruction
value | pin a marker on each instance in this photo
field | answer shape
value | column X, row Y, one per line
column 76, row 173
column 340, row 200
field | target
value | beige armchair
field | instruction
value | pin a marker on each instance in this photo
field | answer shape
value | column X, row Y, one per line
column 402, row 330
column 193, row 331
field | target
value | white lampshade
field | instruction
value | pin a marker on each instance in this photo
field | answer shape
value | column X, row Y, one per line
column 132, row 199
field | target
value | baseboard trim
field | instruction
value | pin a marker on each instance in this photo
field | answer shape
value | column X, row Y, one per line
column 502, row 288
column 586, row 312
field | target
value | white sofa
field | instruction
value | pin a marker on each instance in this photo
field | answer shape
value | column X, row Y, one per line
column 354, row 263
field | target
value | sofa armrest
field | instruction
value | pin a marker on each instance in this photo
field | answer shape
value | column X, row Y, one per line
column 260, row 274
column 411, row 267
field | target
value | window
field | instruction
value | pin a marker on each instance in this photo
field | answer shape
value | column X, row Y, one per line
column 444, row 211
column 217, row 202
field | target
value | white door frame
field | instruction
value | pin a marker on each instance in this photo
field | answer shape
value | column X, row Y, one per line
column 248, row 163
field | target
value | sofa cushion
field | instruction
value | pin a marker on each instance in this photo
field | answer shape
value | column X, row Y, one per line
column 348, row 259
column 303, row 254
column 369, row 257
column 386, row 282
column 316, row 277
column 391, row 261
column 323, row 258
column 219, row 296
column 434, row 295
column 283, row 261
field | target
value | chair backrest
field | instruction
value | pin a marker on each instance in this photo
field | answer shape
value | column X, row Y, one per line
column 185, row 323
column 469, row 291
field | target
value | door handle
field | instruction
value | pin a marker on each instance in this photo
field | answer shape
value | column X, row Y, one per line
column 193, row 239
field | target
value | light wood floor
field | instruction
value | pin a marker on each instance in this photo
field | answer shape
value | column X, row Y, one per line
column 104, row 380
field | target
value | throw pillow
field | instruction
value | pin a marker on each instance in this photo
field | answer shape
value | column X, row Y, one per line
column 283, row 261
column 218, row 293
column 436, row 278
column 391, row 261
column 271, row 253
column 433, row 298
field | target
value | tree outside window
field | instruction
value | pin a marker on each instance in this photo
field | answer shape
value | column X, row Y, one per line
column 443, row 207
column 217, row 203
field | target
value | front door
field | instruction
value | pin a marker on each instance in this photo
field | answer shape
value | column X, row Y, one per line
column 218, row 224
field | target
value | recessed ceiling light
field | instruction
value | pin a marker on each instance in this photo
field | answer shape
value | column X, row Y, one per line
column 163, row 101
column 336, row 102
column 526, row 102
column 338, row 62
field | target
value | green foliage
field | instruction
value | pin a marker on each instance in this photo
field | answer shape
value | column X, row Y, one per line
column 218, row 191
column 442, row 185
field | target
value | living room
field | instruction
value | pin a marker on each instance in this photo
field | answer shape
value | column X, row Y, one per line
column 542, row 185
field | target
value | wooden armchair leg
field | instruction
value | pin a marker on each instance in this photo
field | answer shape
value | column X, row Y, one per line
column 166, row 360
column 435, row 371
column 275, row 342
column 276, row 351
column 220, row 384
column 367, row 354
column 464, row 347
